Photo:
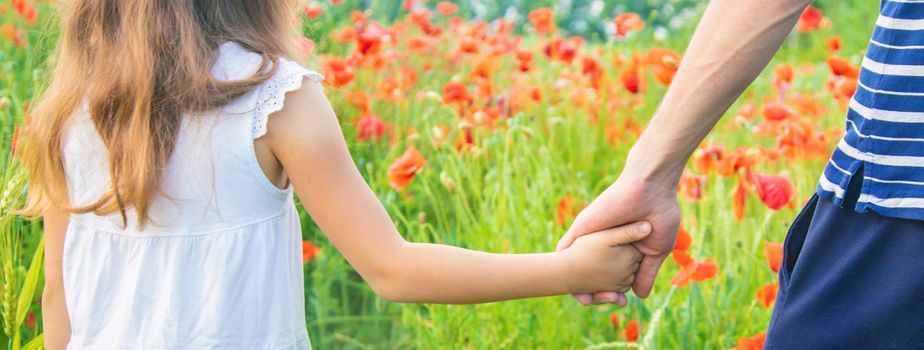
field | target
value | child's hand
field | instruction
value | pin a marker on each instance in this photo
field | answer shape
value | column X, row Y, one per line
column 605, row 260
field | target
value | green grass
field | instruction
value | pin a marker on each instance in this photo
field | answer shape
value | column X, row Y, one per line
column 504, row 200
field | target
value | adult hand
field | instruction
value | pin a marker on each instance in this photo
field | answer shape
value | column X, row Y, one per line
column 631, row 199
column 727, row 52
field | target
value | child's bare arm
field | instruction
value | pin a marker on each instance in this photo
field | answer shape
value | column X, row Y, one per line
column 306, row 138
column 56, row 325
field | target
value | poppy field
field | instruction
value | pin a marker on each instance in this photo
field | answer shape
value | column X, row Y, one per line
column 490, row 127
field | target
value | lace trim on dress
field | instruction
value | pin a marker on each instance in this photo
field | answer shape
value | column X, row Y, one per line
column 273, row 93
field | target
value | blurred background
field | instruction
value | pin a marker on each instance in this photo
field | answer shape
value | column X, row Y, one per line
column 523, row 111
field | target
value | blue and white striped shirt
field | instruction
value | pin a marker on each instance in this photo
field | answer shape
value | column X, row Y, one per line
column 885, row 119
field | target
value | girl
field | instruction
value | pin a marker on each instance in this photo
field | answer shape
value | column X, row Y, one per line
column 164, row 156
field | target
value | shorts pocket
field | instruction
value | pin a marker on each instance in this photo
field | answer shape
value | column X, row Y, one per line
column 795, row 238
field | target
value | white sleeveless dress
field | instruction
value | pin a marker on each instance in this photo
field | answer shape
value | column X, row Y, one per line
column 220, row 267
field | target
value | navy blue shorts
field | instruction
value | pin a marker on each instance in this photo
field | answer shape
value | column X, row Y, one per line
column 849, row 280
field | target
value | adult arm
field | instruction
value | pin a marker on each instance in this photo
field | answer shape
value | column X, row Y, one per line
column 733, row 43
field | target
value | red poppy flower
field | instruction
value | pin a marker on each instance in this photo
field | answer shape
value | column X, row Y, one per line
column 339, row 72
column 751, row 343
column 845, row 88
column 370, row 126
column 684, row 240
column 417, row 44
column 567, row 208
column 705, row 270
column 403, row 169
column 358, row 17
column 484, row 89
column 841, row 67
column 345, row 35
column 369, row 39
column 682, row 277
column 784, row 72
column 594, row 70
column 309, row 251
column 767, row 294
column 808, row 105
column 564, row 50
column 614, row 320
column 628, row 23
column 543, row 20
column 706, row 159
column 446, row 8
column 408, row 4
column 682, row 258
column 774, row 252
column 811, row 19
column 535, row 94
column 777, row 111
column 664, row 63
column 483, row 68
column 739, row 200
column 468, row 45
column 748, row 111
column 774, row 190
column 313, row 11
column 457, row 93
column 525, row 58
column 569, row 49
column 631, row 77
column 30, row 322
column 834, row 44
column 632, row 331
column 691, row 186
column 740, row 159
column 466, row 139
column 698, row 271
column 26, row 10
column 12, row 34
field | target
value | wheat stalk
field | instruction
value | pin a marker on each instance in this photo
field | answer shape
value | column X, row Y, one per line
column 10, row 240
column 8, row 302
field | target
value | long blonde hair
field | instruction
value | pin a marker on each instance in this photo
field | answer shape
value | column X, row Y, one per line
column 138, row 65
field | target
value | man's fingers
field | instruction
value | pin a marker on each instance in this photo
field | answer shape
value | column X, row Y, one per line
column 628, row 234
column 645, row 277
column 607, row 298
column 584, row 299
column 623, row 300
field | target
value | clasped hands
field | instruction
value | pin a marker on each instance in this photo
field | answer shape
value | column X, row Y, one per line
column 643, row 217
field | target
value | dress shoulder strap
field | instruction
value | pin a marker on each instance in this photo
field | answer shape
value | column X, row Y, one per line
column 271, row 95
